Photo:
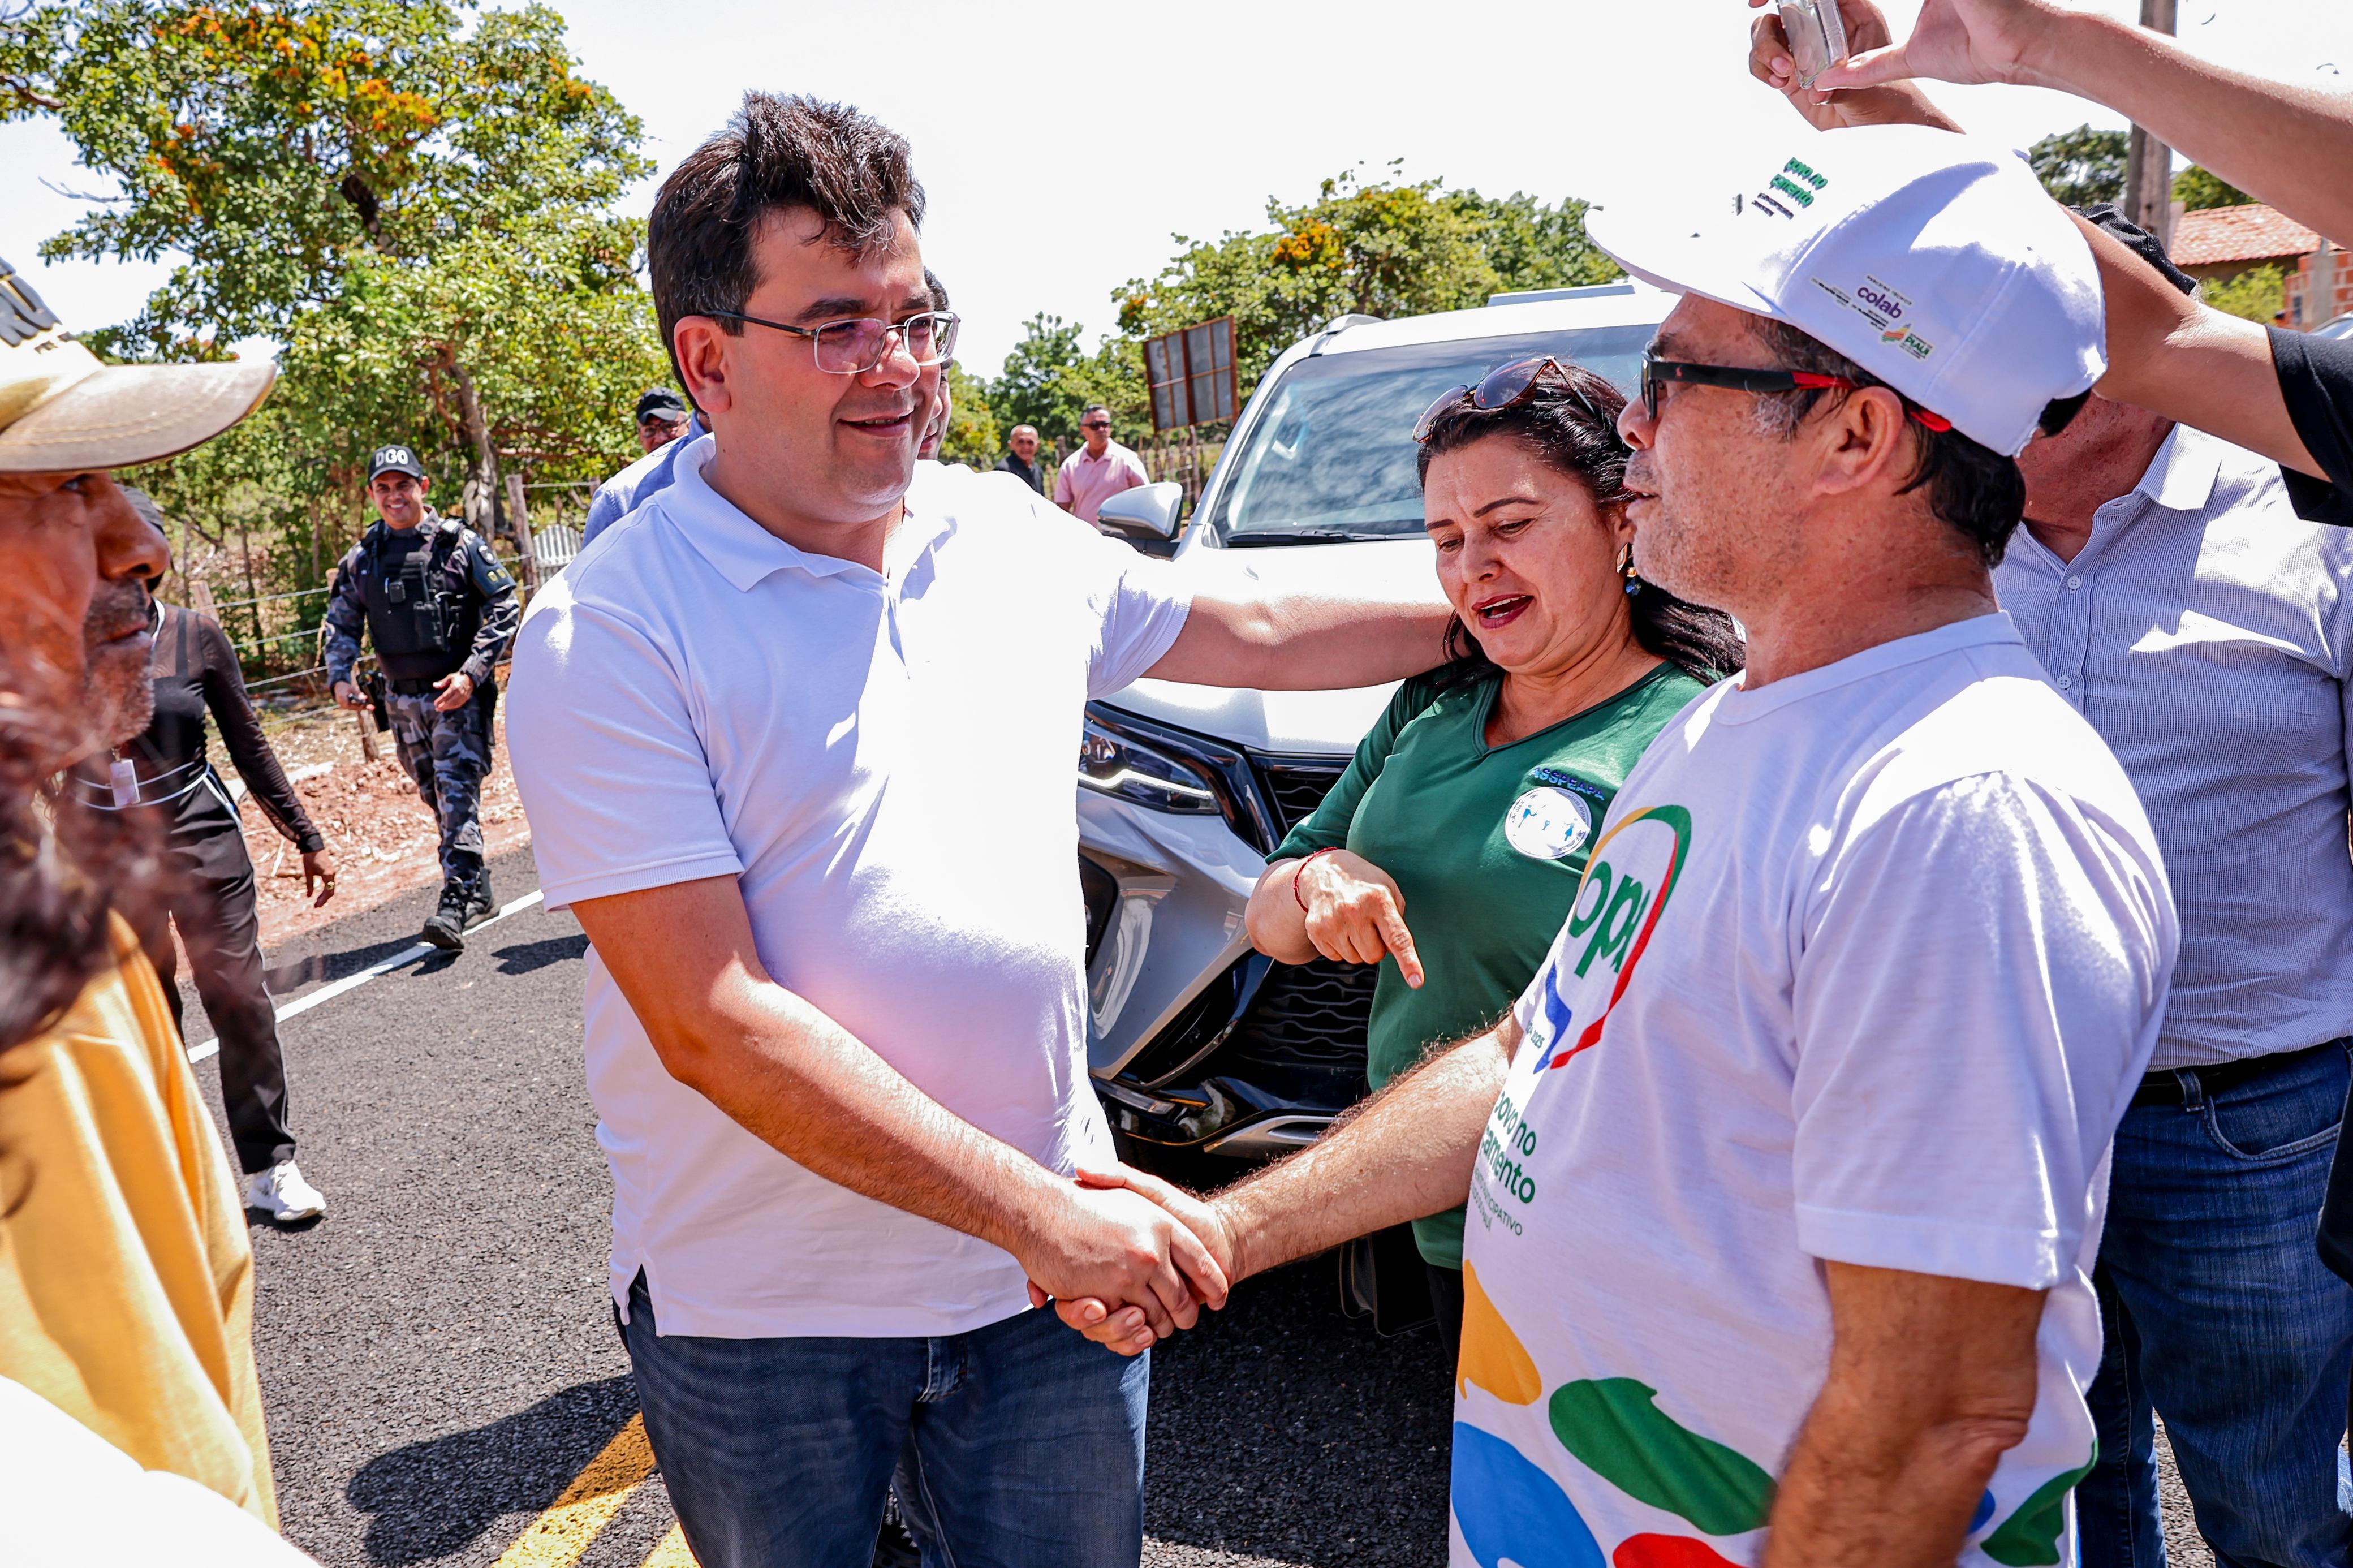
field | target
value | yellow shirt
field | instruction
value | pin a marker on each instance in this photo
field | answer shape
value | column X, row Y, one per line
column 126, row 1279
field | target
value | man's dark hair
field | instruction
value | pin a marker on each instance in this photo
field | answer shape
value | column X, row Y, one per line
column 1571, row 427
column 1971, row 488
column 777, row 153
column 938, row 290
column 1092, row 409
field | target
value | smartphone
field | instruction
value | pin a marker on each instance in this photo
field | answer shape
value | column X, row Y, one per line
column 1817, row 37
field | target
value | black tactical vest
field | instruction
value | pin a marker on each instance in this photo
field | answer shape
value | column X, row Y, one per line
column 420, row 615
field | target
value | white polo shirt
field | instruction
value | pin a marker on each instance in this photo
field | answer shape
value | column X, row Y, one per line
column 884, row 762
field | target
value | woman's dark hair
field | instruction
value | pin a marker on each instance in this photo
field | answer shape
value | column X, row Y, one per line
column 1569, row 421
column 62, row 868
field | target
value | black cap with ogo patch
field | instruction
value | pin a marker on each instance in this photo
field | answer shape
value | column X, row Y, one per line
column 394, row 460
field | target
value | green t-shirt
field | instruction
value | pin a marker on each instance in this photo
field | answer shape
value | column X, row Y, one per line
column 1487, row 846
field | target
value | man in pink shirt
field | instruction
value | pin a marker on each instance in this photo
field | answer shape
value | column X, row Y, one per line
column 1098, row 470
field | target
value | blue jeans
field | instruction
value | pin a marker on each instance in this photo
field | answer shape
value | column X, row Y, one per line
column 2220, row 1316
column 1016, row 1445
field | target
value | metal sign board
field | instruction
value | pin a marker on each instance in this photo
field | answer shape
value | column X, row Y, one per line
column 1192, row 375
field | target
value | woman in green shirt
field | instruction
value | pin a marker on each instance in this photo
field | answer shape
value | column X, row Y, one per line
column 1449, row 851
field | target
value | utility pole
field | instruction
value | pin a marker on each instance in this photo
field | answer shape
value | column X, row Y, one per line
column 2148, row 163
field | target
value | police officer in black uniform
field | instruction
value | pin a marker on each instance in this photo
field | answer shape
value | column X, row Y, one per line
column 441, row 611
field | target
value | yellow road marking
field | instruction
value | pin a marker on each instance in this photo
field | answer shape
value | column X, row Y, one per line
column 557, row 1538
column 670, row 1551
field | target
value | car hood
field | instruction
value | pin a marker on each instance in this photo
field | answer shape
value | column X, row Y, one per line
column 1306, row 722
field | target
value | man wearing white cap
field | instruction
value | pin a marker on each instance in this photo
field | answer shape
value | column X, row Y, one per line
column 1783, row 1218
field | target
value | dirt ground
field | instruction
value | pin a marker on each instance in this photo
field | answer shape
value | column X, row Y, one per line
column 383, row 838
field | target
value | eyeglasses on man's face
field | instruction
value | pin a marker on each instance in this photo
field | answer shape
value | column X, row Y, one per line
column 855, row 347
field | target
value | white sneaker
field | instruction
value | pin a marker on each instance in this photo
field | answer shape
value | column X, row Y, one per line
column 280, row 1192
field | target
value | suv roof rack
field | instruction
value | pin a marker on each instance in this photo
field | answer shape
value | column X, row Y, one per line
column 1589, row 291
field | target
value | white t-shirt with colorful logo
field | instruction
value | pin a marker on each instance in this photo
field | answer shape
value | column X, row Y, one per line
column 1864, row 968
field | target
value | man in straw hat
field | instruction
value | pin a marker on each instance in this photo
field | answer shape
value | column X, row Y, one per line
column 126, row 1281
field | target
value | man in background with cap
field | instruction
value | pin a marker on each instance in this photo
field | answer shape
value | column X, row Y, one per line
column 440, row 610
column 662, row 417
column 650, row 475
column 1784, row 1217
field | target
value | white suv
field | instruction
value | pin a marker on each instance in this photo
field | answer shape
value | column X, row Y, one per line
column 1195, row 1040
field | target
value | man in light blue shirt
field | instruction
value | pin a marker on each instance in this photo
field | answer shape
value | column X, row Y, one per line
column 2206, row 631
column 650, row 475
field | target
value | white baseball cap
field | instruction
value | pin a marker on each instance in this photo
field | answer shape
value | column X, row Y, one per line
column 64, row 410
column 1935, row 261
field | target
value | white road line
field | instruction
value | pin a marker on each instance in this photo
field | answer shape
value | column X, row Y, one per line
column 382, row 966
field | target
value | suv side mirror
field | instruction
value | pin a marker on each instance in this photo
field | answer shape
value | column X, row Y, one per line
column 1145, row 516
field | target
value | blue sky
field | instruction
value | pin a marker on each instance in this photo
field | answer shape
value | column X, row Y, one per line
column 1016, row 115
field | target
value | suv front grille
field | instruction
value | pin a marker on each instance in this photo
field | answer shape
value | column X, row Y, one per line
column 1297, row 788
column 1308, row 1014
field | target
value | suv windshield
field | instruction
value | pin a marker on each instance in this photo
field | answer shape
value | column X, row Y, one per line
column 1332, row 455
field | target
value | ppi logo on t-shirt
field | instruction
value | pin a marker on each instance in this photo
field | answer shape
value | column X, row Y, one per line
column 1625, row 888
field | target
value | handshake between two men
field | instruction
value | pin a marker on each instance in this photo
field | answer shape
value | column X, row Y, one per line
column 1407, row 1151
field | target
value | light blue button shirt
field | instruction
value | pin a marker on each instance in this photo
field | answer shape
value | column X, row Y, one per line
column 641, row 481
column 2206, row 632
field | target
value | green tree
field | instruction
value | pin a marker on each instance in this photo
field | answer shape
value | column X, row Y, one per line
column 1378, row 246
column 2198, row 189
column 972, row 433
column 1532, row 245
column 2259, row 294
column 1033, row 387
column 2081, row 167
column 411, row 197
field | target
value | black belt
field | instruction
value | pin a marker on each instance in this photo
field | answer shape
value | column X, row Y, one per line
column 2165, row 1086
column 417, row 687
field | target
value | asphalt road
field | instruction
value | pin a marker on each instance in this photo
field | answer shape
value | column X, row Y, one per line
column 437, row 1354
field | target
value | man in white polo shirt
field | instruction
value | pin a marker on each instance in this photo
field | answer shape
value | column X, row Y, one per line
column 1783, row 1218
column 796, row 747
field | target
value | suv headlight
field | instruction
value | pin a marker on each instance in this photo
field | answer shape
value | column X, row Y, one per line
column 1128, row 768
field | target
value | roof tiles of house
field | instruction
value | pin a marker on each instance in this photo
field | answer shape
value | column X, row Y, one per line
column 2254, row 233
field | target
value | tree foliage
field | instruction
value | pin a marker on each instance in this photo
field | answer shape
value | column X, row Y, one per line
column 2259, row 294
column 277, row 144
column 973, row 435
column 2083, row 167
column 1378, row 246
column 412, row 197
column 2198, row 189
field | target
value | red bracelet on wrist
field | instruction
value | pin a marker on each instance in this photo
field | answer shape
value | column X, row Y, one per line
column 1296, row 895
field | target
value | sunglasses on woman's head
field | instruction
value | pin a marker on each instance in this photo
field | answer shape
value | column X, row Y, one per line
column 1505, row 386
